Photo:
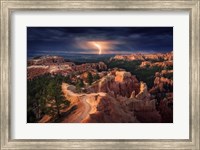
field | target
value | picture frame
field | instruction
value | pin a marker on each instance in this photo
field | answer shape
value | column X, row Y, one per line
column 9, row 7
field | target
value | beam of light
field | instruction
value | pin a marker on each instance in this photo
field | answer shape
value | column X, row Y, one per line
column 98, row 47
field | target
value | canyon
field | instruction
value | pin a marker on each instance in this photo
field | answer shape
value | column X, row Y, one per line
column 101, row 93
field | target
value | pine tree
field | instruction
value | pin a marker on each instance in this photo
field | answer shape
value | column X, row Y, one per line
column 89, row 78
column 55, row 93
column 79, row 84
column 96, row 77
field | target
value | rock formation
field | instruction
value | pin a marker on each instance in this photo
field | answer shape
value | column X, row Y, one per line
column 163, row 91
column 143, row 94
column 162, row 64
column 107, row 109
column 122, row 83
column 145, row 57
column 121, row 88
column 46, row 60
column 115, row 95
column 57, row 65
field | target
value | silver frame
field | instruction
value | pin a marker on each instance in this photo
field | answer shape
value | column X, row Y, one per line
column 10, row 6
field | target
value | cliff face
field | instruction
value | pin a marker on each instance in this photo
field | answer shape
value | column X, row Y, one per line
column 129, row 57
column 163, row 64
column 46, row 60
column 162, row 83
column 124, row 91
column 109, row 110
column 143, row 57
column 163, row 91
column 143, row 94
column 119, row 83
column 100, row 66
column 57, row 65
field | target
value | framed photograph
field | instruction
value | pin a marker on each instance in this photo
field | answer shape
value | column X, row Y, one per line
column 100, row 74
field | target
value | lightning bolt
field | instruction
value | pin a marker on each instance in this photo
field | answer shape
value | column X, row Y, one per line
column 98, row 47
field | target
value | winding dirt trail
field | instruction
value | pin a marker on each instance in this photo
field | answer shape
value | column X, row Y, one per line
column 83, row 107
column 86, row 108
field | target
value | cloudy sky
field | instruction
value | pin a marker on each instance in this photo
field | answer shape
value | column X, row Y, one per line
column 88, row 40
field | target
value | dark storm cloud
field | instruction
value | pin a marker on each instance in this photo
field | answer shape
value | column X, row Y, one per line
column 128, row 39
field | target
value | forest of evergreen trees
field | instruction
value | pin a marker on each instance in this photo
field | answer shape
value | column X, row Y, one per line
column 44, row 96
